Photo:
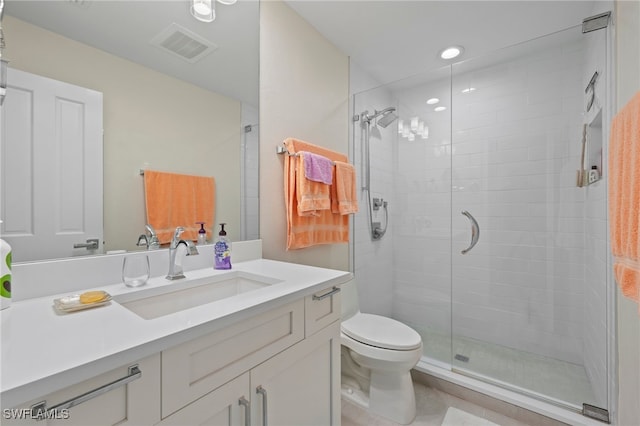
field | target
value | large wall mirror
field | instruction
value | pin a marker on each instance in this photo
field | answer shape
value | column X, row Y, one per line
column 178, row 95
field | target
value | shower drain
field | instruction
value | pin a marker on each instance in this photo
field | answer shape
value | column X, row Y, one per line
column 462, row 358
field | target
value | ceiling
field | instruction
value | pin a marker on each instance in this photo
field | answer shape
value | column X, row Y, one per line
column 389, row 39
column 395, row 39
column 126, row 28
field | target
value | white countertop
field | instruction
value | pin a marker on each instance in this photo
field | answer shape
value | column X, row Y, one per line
column 44, row 351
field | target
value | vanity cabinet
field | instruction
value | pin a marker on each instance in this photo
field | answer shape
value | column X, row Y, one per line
column 278, row 367
column 132, row 399
column 281, row 367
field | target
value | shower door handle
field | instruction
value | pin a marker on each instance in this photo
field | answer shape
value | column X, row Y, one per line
column 475, row 232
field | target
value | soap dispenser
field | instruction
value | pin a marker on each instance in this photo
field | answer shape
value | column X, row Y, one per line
column 202, row 234
column 222, row 250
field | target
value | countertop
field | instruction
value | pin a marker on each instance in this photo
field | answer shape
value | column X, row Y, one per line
column 44, row 351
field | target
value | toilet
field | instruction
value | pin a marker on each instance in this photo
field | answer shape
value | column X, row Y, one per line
column 377, row 355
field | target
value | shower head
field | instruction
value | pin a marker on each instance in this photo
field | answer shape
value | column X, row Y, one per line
column 387, row 114
column 387, row 119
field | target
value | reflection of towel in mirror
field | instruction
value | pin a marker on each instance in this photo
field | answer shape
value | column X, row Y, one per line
column 317, row 168
column 344, row 199
column 624, row 197
column 174, row 200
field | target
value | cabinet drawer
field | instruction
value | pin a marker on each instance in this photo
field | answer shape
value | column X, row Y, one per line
column 135, row 402
column 193, row 369
column 321, row 309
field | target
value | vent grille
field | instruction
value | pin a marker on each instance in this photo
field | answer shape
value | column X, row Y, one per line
column 183, row 43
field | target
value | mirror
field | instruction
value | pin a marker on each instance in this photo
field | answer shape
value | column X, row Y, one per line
column 161, row 110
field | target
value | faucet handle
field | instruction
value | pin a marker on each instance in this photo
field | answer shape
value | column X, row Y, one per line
column 153, row 241
column 176, row 235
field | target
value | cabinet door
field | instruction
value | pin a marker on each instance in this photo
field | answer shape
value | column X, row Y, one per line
column 221, row 407
column 301, row 385
column 134, row 403
column 194, row 368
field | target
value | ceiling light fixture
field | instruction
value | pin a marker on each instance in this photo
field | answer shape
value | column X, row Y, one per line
column 203, row 10
column 440, row 108
column 468, row 90
column 227, row 1
column 451, row 52
column 433, row 101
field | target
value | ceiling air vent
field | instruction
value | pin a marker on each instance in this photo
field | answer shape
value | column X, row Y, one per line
column 183, row 43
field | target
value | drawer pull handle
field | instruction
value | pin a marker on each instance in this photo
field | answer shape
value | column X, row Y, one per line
column 262, row 391
column 39, row 410
column 327, row 294
column 247, row 410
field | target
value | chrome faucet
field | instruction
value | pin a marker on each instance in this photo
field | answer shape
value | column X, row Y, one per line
column 150, row 239
column 175, row 269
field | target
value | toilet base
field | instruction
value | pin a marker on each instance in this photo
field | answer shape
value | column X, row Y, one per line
column 390, row 396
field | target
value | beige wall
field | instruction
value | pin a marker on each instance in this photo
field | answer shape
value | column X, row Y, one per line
column 151, row 120
column 627, row 21
column 304, row 87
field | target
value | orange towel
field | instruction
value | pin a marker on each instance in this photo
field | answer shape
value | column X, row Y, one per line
column 344, row 199
column 174, row 200
column 624, row 197
column 305, row 231
column 312, row 196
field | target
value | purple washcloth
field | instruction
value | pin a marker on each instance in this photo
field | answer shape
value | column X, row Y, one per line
column 317, row 168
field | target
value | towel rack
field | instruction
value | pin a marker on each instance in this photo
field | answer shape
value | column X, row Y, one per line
column 281, row 150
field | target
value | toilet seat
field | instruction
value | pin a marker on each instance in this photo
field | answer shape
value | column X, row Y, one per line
column 381, row 332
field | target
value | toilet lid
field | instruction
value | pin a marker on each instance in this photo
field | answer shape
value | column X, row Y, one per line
column 382, row 332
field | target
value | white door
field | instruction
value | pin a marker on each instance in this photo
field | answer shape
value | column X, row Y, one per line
column 51, row 167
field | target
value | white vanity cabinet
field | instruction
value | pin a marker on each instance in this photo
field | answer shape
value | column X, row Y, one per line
column 277, row 368
column 280, row 366
column 129, row 395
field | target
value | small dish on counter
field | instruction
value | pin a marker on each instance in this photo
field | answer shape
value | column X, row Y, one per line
column 78, row 302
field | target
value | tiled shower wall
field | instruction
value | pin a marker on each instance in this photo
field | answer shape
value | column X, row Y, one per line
column 516, row 144
column 536, row 280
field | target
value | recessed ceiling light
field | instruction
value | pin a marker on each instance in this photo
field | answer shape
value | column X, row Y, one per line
column 451, row 52
column 433, row 101
column 468, row 89
column 440, row 108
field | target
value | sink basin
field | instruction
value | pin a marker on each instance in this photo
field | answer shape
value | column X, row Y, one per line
column 159, row 301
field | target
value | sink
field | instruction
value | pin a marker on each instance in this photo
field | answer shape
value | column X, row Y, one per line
column 159, row 301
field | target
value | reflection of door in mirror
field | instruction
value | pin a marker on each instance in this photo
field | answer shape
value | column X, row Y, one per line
column 51, row 168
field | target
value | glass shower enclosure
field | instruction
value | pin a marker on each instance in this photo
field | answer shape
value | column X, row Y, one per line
column 495, row 252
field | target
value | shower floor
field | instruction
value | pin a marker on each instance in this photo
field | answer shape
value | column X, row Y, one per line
column 533, row 374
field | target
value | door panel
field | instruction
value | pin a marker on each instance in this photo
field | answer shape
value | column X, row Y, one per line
column 51, row 167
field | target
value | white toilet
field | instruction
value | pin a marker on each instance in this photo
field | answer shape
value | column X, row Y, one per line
column 377, row 355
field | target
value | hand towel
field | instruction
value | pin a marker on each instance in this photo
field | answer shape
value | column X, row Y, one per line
column 311, row 195
column 306, row 231
column 317, row 168
column 344, row 198
column 174, row 200
column 624, row 197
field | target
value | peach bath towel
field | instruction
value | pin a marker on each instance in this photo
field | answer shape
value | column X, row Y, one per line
column 174, row 200
column 344, row 199
column 306, row 231
column 624, row 197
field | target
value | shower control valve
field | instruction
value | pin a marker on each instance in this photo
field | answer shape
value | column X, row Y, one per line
column 377, row 203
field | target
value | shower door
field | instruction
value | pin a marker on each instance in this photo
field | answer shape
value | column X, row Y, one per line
column 529, row 255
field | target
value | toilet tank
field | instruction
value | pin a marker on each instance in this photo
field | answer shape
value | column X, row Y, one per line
column 349, row 298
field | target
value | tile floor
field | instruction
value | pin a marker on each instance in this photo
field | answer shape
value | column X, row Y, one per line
column 432, row 405
column 553, row 378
